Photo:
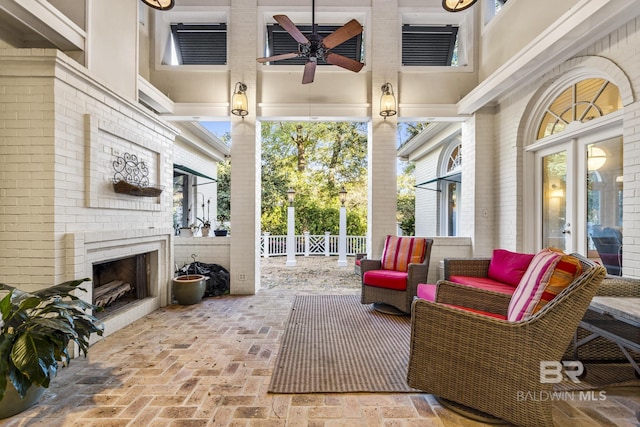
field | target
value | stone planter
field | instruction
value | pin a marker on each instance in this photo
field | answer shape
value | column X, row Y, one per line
column 205, row 231
column 13, row 404
column 189, row 289
column 186, row 232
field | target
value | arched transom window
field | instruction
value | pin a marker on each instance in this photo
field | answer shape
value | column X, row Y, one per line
column 454, row 163
column 581, row 102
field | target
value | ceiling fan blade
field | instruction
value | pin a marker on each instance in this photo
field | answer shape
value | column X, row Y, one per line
column 343, row 61
column 291, row 28
column 278, row 57
column 342, row 34
column 309, row 71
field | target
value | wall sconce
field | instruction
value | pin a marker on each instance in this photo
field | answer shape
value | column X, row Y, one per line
column 343, row 196
column 291, row 194
column 160, row 4
column 387, row 101
column 239, row 103
column 457, row 5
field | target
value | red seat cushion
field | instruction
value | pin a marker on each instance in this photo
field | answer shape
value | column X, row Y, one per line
column 358, row 261
column 483, row 283
column 426, row 291
column 484, row 313
column 388, row 279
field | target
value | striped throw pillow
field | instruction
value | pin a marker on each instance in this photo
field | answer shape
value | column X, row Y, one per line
column 399, row 252
column 532, row 285
column 565, row 272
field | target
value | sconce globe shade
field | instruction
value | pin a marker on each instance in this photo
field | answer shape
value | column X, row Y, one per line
column 387, row 101
column 160, row 4
column 457, row 5
column 239, row 102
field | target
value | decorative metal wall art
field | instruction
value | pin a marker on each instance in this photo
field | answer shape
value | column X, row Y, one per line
column 132, row 177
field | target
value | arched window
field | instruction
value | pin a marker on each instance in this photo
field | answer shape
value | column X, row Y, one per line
column 581, row 102
column 450, row 189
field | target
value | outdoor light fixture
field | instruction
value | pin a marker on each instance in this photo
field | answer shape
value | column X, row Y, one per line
column 343, row 196
column 291, row 194
column 239, row 103
column 160, row 4
column 387, row 101
column 457, row 5
column 596, row 158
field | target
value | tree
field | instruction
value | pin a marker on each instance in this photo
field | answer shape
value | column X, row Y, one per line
column 316, row 160
column 407, row 200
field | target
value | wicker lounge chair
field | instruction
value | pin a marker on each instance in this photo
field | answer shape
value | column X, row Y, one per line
column 484, row 363
column 399, row 298
column 598, row 350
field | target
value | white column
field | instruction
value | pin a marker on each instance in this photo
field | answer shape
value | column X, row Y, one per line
column 291, row 237
column 342, row 238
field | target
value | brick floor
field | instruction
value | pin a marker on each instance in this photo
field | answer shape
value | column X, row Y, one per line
column 210, row 364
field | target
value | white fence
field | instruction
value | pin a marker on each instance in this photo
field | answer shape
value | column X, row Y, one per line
column 308, row 244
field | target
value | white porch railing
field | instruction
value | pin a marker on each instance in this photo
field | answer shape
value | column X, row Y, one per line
column 308, row 244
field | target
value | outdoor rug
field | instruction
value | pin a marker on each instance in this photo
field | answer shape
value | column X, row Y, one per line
column 335, row 344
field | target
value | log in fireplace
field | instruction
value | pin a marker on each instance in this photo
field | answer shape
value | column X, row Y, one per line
column 119, row 282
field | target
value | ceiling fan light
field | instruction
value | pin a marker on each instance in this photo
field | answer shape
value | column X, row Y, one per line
column 239, row 103
column 387, row 101
column 457, row 5
column 160, row 4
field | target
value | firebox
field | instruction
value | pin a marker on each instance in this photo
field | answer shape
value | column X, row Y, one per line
column 119, row 282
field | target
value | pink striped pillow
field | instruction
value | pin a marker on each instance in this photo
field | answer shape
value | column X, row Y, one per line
column 399, row 252
column 532, row 285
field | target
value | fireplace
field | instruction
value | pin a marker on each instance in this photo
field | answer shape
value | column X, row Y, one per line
column 142, row 258
column 119, row 282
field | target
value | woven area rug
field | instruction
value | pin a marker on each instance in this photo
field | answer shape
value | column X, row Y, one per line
column 335, row 344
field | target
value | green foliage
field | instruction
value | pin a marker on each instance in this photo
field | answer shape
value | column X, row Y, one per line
column 316, row 160
column 36, row 331
column 224, row 191
column 407, row 200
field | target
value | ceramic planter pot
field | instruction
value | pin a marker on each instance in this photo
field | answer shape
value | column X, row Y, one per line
column 13, row 404
column 220, row 232
column 186, row 232
column 189, row 289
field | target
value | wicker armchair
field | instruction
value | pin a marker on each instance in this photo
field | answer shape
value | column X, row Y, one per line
column 400, row 299
column 482, row 362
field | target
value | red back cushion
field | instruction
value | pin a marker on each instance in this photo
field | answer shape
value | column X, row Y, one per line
column 508, row 267
column 399, row 252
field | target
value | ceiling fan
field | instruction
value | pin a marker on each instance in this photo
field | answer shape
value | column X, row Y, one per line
column 315, row 47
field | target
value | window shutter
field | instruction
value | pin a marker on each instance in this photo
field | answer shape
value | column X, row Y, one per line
column 428, row 45
column 200, row 44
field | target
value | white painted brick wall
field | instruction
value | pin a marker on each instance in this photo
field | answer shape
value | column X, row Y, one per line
column 620, row 47
column 55, row 165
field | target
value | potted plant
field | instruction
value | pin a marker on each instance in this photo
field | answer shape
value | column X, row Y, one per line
column 35, row 334
column 221, row 228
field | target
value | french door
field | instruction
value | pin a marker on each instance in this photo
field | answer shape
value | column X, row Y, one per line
column 579, row 187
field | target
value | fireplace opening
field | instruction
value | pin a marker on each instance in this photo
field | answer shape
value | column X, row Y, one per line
column 119, row 282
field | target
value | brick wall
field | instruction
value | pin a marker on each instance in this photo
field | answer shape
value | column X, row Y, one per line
column 614, row 57
column 60, row 131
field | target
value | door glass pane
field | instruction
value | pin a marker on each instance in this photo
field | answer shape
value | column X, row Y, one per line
column 554, row 206
column 452, row 209
column 604, row 202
